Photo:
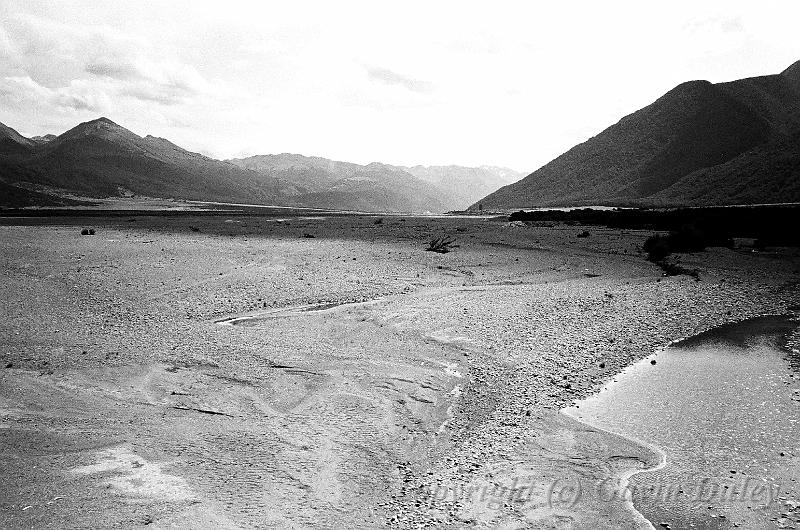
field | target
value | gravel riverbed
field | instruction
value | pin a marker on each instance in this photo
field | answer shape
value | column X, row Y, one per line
column 424, row 390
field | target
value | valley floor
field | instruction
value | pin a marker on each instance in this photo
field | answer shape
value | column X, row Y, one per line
column 374, row 384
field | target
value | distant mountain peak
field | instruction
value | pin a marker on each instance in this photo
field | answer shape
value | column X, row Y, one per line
column 690, row 89
column 101, row 128
column 792, row 75
column 100, row 123
column 43, row 139
column 793, row 70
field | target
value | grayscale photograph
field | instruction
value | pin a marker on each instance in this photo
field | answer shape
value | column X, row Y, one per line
column 361, row 265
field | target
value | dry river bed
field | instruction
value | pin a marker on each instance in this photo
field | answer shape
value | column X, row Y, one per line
column 208, row 372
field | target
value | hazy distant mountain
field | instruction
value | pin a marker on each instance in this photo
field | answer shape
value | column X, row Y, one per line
column 465, row 185
column 321, row 182
column 700, row 143
column 43, row 139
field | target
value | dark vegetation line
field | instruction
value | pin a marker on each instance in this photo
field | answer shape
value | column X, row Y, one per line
column 688, row 229
column 691, row 229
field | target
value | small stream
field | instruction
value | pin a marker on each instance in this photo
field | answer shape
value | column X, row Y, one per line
column 724, row 408
column 254, row 319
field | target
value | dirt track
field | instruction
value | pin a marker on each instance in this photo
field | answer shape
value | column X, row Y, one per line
column 417, row 379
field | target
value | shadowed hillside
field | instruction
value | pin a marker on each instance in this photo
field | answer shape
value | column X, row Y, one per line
column 101, row 159
column 12, row 142
column 699, row 144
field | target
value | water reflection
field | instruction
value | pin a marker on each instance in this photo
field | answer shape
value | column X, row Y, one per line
column 724, row 408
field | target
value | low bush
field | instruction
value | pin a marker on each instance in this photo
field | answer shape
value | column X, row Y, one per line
column 673, row 269
column 688, row 238
column 657, row 247
column 442, row 245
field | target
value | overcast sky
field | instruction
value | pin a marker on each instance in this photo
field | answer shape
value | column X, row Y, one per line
column 500, row 83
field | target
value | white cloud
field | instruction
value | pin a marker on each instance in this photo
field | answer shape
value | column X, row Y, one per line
column 25, row 93
column 57, row 73
column 389, row 77
column 511, row 83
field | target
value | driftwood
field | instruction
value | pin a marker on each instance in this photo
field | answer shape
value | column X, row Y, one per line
column 442, row 245
column 203, row 411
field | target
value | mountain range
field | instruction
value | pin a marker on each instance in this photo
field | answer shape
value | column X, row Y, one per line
column 100, row 159
column 699, row 144
column 318, row 182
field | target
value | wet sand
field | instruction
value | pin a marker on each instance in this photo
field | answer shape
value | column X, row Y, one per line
column 124, row 402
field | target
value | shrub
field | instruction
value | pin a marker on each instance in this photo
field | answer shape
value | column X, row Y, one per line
column 688, row 238
column 657, row 247
column 673, row 269
column 442, row 245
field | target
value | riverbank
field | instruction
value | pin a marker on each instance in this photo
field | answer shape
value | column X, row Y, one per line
column 124, row 402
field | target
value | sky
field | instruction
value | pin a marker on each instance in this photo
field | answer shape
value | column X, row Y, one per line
column 502, row 83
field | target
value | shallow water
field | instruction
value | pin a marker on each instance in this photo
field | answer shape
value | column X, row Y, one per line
column 256, row 318
column 724, row 408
